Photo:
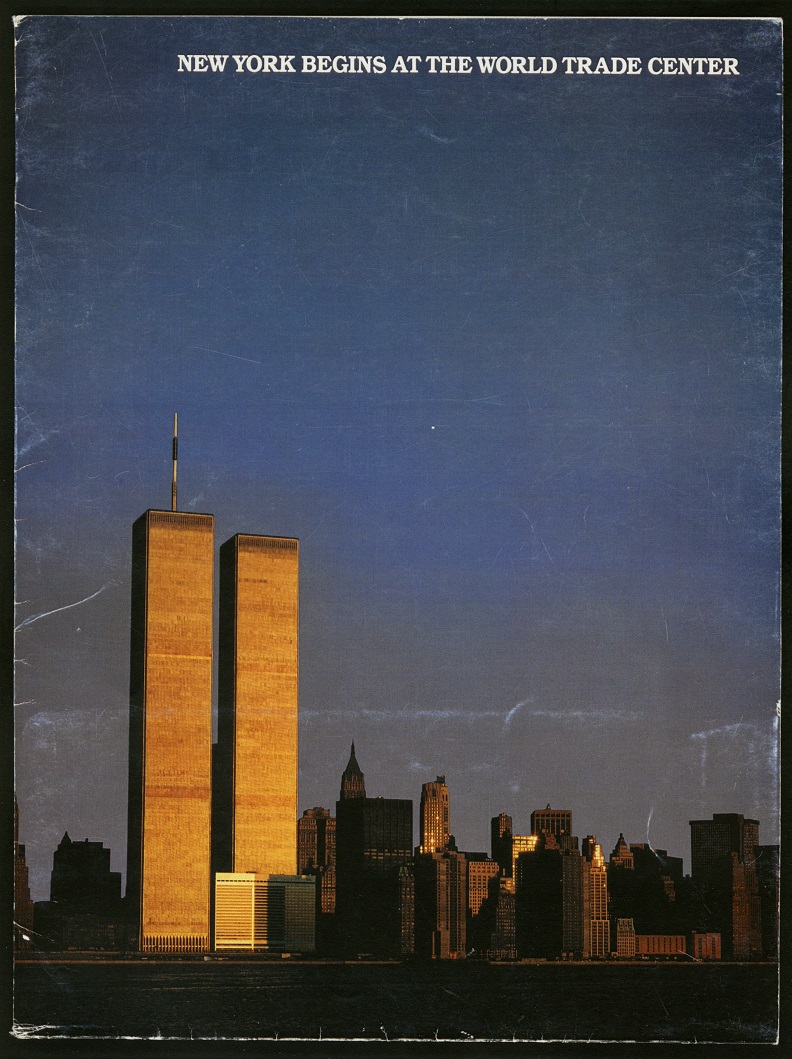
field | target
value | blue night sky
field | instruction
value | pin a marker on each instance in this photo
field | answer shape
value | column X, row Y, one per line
column 502, row 351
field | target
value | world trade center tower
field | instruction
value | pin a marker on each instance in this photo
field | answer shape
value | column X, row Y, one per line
column 257, row 699
column 170, row 744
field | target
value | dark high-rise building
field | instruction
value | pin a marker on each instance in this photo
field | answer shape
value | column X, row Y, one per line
column 407, row 909
column 549, row 821
column 549, row 907
column 481, row 870
column 723, row 855
column 325, row 892
column 732, row 894
column 491, row 925
column 767, row 869
column 81, row 876
column 501, row 831
column 316, row 839
column 435, row 818
column 650, row 861
column 646, row 885
column 622, row 856
column 170, row 731
column 84, row 909
column 373, row 841
column 353, row 783
column 555, row 822
column 724, row 833
column 502, row 941
column 316, row 855
column 440, row 905
column 23, row 906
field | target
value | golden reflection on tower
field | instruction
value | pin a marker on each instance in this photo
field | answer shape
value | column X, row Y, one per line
column 171, row 730
column 258, row 698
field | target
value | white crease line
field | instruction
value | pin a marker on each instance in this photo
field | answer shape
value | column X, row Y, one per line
column 46, row 613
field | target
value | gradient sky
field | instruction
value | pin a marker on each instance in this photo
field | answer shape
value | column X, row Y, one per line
column 502, row 351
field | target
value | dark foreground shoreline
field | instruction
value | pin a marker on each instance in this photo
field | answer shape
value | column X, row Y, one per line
column 77, row 996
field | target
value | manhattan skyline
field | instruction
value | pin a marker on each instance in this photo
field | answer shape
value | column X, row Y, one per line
column 501, row 352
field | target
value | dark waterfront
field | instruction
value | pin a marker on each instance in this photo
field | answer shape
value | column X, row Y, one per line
column 449, row 1000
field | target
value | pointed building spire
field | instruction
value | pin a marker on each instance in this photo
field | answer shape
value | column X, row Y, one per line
column 352, row 781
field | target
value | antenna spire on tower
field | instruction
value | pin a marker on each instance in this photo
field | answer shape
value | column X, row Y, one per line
column 175, row 458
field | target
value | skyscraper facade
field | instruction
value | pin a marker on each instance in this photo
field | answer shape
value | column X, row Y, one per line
column 407, row 910
column 724, row 833
column 556, row 823
column 480, row 872
column 767, row 874
column 316, row 839
column 491, row 931
column 549, row 905
column 500, row 842
column 316, row 856
column 502, row 942
column 549, row 821
column 440, row 905
column 596, row 922
column 435, row 820
column 168, row 858
column 724, row 861
column 733, row 896
column 258, row 698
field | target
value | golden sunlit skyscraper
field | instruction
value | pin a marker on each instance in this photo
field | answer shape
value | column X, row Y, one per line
column 435, row 818
column 258, row 699
column 596, row 924
column 168, row 869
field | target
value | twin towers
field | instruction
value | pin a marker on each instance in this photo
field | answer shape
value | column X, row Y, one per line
column 195, row 809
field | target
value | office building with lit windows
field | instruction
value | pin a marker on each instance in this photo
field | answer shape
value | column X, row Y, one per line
column 272, row 913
